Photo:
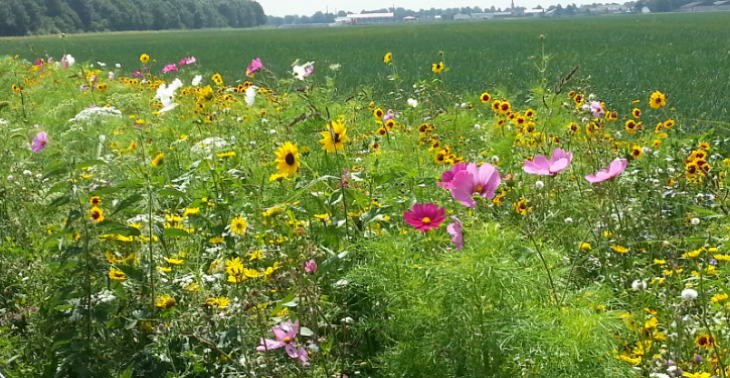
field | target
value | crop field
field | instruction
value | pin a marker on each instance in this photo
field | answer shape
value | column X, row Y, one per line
column 688, row 54
column 406, row 201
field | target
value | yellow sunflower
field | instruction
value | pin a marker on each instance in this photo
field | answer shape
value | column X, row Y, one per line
column 238, row 226
column 636, row 152
column 217, row 79
column 485, row 98
column 657, row 100
column 158, row 160
column 117, row 275
column 437, row 67
column 287, row 158
column 388, row 58
column 334, row 137
column 95, row 201
column 144, row 58
column 96, row 214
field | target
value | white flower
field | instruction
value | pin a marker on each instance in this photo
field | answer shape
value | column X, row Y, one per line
column 539, row 184
column 638, row 285
column 68, row 59
column 27, row 172
column 88, row 113
column 591, row 96
column 166, row 95
column 658, row 375
column 413, row 103
column 671, row 369
column 689, row 294
column 206, row 144
column 300, row 72
column 250, row 96
column 196, row 80
column 695, row 221
column 102, row 138
column 101, row 64
column 477, row 126
column 272, row 131
column 118, row 65
column 569, row 220
column 334, row 67
column 38, row 175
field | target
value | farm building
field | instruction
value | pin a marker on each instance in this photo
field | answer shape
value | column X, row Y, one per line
column 706, row 6
column 366, row 18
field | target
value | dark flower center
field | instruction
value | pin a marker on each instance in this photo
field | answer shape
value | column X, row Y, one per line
column 336, row 139
column 289, row 159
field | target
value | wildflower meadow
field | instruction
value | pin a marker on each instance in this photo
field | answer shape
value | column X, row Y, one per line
column 158, row 219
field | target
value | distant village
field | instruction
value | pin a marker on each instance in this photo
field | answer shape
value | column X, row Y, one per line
column 342, row 18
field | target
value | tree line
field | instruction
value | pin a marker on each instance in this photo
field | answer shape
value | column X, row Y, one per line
column 24, row 17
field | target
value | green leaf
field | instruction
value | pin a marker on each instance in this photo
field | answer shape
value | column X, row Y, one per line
column 175, row 232
column 169, row 192
column 55, row 172
column 127, row 202
column 282, row 303
column 89, row 163
column 58, row 187
column 60, row 201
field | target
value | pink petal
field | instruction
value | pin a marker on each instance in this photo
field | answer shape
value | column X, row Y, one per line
column 542, row 162
column 617, row 166
column 463, row 195
column 293, row 329
column 279, row 333
column 559, row 165
column 303, row 356
column 267, row 344
column 291, row 351
column 535, row 169
column 558, row 154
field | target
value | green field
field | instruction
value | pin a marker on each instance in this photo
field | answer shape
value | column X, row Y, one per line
column 687, row 55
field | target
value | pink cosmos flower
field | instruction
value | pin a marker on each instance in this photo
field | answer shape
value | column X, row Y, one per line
column 111, row 76
column 389, row 116
column 137, row 74
column 40, row 142
column 254, row 66
column 455, row 230
column 310, row 266
column 447, row 178
column 541, row 166
column 597, row 109
column 309, row 70
column 186, row 61
column 285, row 333
column 169, row 67
column 614, row 169
column 482, row 180
column 39, row 62
column 425, row 217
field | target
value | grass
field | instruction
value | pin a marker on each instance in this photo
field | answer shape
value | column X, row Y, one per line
column 682, row 54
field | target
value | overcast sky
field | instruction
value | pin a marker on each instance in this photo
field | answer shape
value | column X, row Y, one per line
column 308, row 7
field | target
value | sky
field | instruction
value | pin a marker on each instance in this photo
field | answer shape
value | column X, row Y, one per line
column 309, row 7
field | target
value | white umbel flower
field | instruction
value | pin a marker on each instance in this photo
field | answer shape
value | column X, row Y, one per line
column 689, row 294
